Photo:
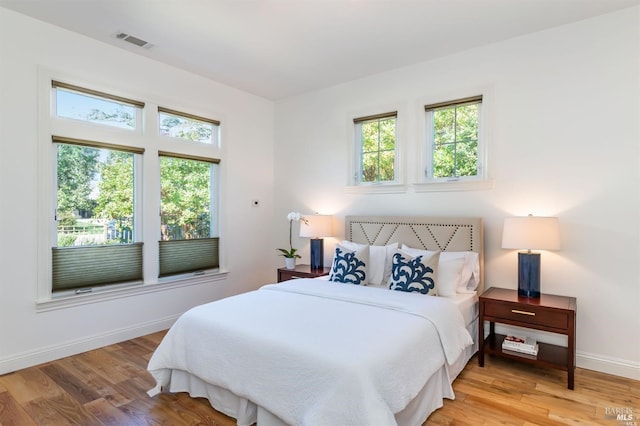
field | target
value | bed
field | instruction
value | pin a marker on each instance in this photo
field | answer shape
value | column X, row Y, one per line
column 316, row 352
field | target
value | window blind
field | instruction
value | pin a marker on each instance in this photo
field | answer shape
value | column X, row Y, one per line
column 180, row 256
column 92, row 92
column 189, row 116
column 392, row 114
column 92, row 266
column 469, row 100
column 189, row 157
column 96, row 144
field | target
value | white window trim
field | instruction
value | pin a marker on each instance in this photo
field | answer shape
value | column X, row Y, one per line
column 354, row 186
column 127, row 290
column 454, row 185
column 50, row 125
column 465, row 183
column 375, row 189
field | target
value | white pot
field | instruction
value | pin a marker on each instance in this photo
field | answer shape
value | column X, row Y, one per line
column 290, row 262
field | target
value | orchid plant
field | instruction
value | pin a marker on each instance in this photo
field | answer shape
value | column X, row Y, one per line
column 291, row 253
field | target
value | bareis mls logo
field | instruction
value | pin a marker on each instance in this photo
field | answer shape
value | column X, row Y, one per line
column 623, row 415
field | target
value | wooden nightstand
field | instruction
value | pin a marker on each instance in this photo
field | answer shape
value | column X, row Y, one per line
column 301, row 271
column 556, row 314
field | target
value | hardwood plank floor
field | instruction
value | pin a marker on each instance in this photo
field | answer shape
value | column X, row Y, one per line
column 108, row 386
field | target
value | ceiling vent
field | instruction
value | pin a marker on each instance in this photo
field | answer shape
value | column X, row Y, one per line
column 133, row 40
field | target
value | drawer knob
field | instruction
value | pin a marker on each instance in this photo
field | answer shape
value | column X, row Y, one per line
column 515, row 311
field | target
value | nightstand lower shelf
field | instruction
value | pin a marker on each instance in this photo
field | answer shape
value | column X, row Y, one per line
column 550, row 356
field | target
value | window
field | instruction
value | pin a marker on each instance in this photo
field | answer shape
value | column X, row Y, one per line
column 96, row 107
column 188, row 226
column 96, row 240
column 187, row 126
column 453, row 140
column 375, row 149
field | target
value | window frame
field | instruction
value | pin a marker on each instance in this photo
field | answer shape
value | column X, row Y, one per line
column 429, row 160
column 355, row 175
column 424, row 178
column 214, row 233
column 137, row 216
column 97, row 94
column 215, row 131
column 146, row 136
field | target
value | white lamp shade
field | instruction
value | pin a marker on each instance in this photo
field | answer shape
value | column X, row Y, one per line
column 531, row 233
column 317, row 226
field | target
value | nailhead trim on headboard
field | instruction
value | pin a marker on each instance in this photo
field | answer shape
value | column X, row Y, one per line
column 413, row 227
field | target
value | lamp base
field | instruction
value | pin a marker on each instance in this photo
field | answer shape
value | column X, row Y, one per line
column 317, row 253
column 529, row 275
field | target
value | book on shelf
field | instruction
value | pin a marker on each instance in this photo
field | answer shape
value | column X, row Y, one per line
column 533, row 351
column 520, row 342
column 525, row 345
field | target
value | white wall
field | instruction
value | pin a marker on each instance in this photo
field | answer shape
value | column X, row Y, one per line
column 564, row 141
column 27, row 45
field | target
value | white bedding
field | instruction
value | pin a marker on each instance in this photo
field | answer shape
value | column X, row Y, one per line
column 467, row 304
column 353, row 355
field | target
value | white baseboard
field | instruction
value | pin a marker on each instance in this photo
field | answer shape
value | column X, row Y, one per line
column 596, row 362
column 53, row 352
column 617, row 367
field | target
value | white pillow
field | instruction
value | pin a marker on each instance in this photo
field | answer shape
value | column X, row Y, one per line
column 449, row 273
column 472, row 270
column 389, row 250
column 379, row 267
column 350, row 265
column 415, row 274
column 461, row 266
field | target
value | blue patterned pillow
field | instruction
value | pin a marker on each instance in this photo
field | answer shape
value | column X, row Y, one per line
column 350, row 266
column 417, row 274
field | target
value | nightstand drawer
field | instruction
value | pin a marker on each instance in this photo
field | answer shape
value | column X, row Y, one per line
column 531, row 315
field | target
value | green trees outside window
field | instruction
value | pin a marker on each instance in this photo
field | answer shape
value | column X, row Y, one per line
column 377, row 149
column 185, row 198
column 95, row 195
column 455, row 141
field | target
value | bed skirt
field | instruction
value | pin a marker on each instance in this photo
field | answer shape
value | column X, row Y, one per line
column 247, row 413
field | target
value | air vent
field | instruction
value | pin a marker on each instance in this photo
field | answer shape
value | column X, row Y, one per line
column 131, row 39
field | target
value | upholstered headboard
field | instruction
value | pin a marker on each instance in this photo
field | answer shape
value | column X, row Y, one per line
column 429, row 233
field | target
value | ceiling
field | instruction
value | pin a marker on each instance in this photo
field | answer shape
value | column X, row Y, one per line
column 280, row 48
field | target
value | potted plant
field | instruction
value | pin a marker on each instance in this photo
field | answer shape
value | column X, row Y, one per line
column 290, row 255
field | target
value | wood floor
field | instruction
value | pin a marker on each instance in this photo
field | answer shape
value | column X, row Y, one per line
column 108, row 386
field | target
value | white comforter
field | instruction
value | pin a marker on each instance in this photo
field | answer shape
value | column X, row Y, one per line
column 314, row 352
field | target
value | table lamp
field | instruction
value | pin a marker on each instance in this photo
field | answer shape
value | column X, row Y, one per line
column 530, row 232
column 315, row 227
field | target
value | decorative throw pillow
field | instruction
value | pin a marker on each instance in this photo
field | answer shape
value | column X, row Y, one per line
column 414, row 274
column 350, row 266
column 468, row 277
